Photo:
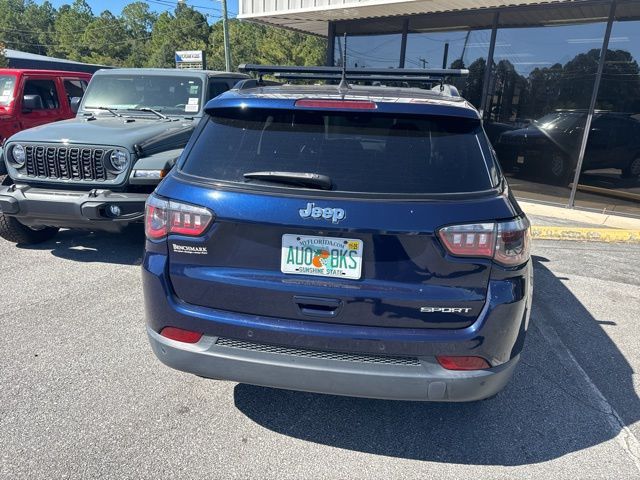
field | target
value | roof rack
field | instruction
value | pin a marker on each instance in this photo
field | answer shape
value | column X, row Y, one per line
column 321, row 73
column 358, row 78
column 343, row 73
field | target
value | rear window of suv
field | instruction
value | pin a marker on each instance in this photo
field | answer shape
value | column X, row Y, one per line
column 360, row 152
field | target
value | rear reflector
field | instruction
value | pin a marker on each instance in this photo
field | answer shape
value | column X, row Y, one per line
column 337, row 104
column 167, row 216
column 463, row 363
column 180, row 335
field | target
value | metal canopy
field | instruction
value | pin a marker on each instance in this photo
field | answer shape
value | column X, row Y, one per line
column 361, row 17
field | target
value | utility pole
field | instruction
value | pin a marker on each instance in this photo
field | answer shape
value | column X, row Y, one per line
column 424, row 62
column 225, row 33
column 445, row 57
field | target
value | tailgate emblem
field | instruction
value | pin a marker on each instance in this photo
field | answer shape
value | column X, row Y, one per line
column 445, row 309
column 327, row 213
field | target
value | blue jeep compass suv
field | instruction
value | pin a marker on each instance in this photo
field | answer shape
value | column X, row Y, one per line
column 353, row 240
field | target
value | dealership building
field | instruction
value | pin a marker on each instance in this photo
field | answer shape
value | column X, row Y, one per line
column 557, row 81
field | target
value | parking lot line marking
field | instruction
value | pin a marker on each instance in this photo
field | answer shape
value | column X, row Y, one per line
column 624, row 436
column 609, row 235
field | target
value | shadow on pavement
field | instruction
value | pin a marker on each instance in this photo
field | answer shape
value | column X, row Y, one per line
column 123, row 248
column 547, row 411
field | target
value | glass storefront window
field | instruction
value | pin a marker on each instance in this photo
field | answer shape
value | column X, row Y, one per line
column 537, row 105
column 454, row 49
column 610, row 174
column 379, row 51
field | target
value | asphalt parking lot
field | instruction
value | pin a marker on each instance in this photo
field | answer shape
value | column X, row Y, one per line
column 82, row 395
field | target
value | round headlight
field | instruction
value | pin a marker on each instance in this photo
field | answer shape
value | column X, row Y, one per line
column 18, row 155
column 118, row 160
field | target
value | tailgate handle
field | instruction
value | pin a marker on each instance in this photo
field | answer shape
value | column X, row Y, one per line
column 318, row 307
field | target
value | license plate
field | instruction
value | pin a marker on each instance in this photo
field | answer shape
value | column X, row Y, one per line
column 321, row 256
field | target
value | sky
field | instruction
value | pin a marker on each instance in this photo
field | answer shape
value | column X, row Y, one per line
column 210, row 7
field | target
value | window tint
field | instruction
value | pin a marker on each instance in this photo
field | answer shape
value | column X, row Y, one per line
column 217, row 87
column 366, row 153
column 46, row 90
column 74, row 88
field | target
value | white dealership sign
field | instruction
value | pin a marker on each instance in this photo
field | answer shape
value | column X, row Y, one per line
column 190, row 59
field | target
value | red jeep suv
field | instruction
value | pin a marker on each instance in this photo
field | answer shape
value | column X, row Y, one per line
column 29, row 98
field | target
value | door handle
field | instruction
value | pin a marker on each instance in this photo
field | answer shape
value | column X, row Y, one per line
column 318, row 306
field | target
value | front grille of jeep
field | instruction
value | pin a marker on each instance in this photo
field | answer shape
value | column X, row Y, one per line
column 67, row 163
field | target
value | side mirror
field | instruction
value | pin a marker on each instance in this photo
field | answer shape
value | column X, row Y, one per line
column 32, row 102
column 75, row 104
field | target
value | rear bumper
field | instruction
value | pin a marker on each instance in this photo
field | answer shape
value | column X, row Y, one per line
column 71, row 209
column 497, row 335
column 357, row 376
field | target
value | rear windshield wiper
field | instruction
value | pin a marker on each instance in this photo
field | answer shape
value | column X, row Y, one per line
column 150, row 110
column 314, row 180
column 112, row 111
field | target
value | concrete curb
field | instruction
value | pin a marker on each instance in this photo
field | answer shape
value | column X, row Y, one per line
column 608, row 235
column 591, row 226
column 580, row 216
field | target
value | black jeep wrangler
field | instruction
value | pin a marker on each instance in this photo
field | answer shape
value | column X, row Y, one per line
column 96, row 170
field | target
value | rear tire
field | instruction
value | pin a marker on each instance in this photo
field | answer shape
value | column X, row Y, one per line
column 13, row 231
column 558, row 171
column 633, row 169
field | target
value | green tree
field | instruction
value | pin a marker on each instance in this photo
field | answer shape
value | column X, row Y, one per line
column 578, row 76
column 69, row 27
column 186, row 29
column 106, row 40
column 138, row 22
column 39, row 21
column 284, row 47
column 254, row 43
column 244, row 38
column 26, row 26
column 3, row 60
column 470, row 86
column 620, row 87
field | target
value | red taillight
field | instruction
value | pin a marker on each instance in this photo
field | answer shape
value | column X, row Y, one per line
column 181, row 335
column 476, row 240
column 513, row 243
column 167, row 216
column 337, row 104
column 462, row 363
column 506, row 242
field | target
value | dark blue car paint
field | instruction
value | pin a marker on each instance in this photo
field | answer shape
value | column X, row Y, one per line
column 497, row 335
column 181, row 291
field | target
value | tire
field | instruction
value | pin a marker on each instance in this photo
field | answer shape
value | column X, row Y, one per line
column 558, row 170
column 633, row 169
column 14, row 231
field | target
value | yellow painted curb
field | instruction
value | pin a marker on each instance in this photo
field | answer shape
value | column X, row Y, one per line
column 609, row 235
